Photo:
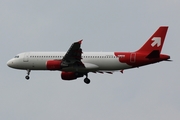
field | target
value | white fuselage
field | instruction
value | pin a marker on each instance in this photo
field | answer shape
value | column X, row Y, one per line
column 93, row 61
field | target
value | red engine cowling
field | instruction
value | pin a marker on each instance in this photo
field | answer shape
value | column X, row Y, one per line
column 53, row 64
column 68, row 75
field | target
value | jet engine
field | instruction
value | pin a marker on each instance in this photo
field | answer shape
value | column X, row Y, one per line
column 70, row 75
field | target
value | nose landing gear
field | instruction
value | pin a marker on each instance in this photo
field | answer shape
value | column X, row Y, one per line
column 28, row 73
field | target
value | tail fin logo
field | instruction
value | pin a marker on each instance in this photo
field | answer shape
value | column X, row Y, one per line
column 156, row 41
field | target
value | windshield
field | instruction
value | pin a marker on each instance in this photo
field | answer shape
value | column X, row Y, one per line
column 16, row 56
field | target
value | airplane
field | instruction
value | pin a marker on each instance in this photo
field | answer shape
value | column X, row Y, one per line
column 74, row 63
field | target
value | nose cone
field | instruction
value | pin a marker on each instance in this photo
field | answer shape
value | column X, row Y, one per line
column 10, row 63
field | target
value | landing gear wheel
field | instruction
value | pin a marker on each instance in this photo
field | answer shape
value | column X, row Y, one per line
column 28, row 73
column 27, row 77
column 87, row 81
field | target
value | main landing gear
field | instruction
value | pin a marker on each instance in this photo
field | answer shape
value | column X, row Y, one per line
column 27, row 76
column 87, row 80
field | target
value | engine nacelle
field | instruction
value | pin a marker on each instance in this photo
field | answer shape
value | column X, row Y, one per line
column 53, row 64
column 68, row 75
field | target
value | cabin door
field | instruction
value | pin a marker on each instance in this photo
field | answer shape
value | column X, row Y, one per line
column 133, row 58
column 26, row 57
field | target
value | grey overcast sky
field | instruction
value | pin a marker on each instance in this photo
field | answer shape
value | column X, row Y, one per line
column 147, row 93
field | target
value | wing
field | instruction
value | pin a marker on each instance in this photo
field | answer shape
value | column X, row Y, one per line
column 73, row 55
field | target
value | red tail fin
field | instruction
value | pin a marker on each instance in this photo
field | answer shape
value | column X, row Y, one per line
column 155, row 42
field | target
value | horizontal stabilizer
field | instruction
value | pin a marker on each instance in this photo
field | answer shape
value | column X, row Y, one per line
column 168, row 60
column 154, row 54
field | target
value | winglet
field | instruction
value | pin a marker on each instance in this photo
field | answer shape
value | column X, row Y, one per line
column 80, row 41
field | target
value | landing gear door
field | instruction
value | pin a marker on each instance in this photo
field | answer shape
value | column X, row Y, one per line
column 26, row 57
column 133, row 58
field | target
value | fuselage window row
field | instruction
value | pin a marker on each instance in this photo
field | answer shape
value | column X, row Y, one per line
column 82, row 57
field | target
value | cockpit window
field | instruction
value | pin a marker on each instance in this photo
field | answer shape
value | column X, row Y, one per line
column 16, row 56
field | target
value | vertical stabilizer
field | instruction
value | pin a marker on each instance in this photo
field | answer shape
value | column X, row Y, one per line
column 155, row 42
